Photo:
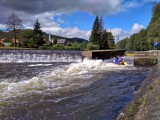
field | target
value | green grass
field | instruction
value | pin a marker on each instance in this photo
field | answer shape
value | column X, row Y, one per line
column 15, row 48
column 126, row 118
column 129, row 54
column 143, row 101
column 158, row 98
column 131, row 108
column 158, row 81
column 150, row 87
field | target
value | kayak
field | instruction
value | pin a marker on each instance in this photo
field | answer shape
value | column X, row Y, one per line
column 121, row 63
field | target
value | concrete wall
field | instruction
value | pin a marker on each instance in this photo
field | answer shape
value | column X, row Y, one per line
column 156, row 53
column 146, row 58
column 102, row 54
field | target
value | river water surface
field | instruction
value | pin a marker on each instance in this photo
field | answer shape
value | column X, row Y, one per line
column 57, row 85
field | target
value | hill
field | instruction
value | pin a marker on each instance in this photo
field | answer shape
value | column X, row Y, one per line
column 75, row 39
column 145, row 38
column 10, row 35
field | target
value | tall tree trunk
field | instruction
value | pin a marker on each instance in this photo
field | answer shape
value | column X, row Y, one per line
column 15, row 37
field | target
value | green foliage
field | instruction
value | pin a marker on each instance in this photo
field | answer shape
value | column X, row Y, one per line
column 143, row 101
column 126, row 118
column 158, row 81
column 131, row 108
column 25, row 37
column 95, row 35
column 45, row 47
column 100, row 37
column 122, row 44
column 38, row 35
column 150, row 87
column 110, row 39
column 143, row 40
column 31, row 43
column 155, row 12
column 55, row 41
column 158, row 98
column 58, row 47
column 91, row 46
column 154, row 60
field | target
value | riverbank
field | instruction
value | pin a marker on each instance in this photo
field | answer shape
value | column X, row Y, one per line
column 146, row 101
column 15, row 48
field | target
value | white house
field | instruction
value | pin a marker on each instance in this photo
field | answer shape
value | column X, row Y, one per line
column 61, row 41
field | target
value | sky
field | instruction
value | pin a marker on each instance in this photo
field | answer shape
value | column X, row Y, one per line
column 74, row 18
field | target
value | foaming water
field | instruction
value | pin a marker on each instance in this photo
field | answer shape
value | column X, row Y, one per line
column 23, row 56
column 77, row 90
column 72, row 76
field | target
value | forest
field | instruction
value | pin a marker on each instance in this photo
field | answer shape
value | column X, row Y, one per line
column 144, row 40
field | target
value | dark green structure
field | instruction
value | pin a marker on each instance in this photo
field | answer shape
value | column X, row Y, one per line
column 102, row 54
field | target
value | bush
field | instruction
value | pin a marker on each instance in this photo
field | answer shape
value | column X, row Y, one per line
column 45, row 47
column 58, row 47
column 91, row 46
column 71, row 48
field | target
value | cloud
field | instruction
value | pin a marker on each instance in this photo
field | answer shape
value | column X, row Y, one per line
column 100, row 7
column 48, row 25
column 2, row 26
column 63, row 6
column 45, row 10
column 119, row 33
column 136, row 28
column 68, row 32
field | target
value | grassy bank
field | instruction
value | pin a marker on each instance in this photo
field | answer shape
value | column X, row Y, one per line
column 15, row 48
column 129, row 54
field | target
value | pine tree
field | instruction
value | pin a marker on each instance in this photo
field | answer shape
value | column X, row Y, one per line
column 102, row 33
column 38, row 34
column 111, row 41
column 101, row 26
column 95, row 35
column 105, row 44
column 100, row 37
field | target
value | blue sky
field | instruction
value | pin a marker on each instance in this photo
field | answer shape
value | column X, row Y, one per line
column 124, row 20
column 71, row 18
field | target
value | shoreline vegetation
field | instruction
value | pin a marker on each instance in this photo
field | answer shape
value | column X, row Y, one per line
column 15, row 48
column 39, row 48
column 145, row 104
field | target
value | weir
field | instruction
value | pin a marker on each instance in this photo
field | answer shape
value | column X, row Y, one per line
column 102, row 54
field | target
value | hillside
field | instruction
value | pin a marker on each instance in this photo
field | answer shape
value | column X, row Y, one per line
column 10, row 35
column 145, row 38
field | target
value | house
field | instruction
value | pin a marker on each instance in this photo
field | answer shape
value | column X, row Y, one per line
column 61, row 41
column 2, row 41
column 17, row 42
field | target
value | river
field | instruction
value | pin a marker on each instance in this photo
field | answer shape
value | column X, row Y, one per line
column 58, row 85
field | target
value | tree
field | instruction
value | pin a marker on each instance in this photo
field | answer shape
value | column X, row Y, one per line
column 38, row 34
column 25, row 36
column 14, row 23
column 55, row 40
column 122, row 44
column 111, row 41
column 104, row 40
column 95, row 34
column 100, row 37
column 101, row 26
